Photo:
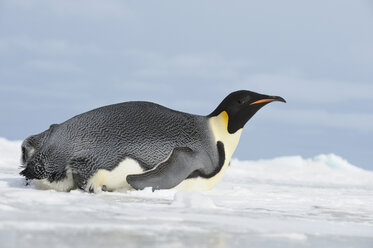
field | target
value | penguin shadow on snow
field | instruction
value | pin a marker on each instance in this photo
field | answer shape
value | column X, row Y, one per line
column 13, row 182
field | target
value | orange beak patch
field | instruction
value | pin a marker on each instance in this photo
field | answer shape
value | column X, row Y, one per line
column 261, row 101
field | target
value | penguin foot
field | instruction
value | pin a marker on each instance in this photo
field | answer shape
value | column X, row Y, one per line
column 104, row 188
column 94, row 188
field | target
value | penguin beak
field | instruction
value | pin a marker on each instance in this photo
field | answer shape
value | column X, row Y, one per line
column 269, row 99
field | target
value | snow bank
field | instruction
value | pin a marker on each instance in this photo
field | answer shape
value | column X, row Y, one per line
column 10, row 153
column 322, row 170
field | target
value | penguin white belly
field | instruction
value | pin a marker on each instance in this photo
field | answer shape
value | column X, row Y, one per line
column 219, row 128
column 200, row 183
column 63, row 185
column 114, row 179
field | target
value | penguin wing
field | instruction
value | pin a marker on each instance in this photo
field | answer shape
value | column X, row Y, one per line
column 168, row 174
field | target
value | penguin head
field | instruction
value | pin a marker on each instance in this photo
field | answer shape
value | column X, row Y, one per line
column 241, row 105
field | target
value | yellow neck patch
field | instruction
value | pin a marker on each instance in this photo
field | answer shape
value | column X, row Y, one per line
column 225, row 117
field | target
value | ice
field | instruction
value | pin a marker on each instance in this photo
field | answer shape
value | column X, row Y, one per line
column 192, row 200
column 282, row 202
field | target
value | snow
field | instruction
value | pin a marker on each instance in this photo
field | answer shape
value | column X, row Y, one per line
column 282, row 202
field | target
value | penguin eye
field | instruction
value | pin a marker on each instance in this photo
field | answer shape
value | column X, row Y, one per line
column 241, row 101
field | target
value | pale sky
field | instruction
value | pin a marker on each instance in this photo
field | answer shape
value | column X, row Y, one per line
column 61, row 58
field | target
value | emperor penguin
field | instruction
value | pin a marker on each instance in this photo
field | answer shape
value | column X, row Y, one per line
column 136, row 145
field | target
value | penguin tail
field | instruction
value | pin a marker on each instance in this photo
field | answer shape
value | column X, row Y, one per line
column 34, row 169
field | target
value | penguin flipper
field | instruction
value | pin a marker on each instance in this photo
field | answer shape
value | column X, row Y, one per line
column 181, row 163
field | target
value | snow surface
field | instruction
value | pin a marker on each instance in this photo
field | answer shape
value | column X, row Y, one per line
column 283, row 202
